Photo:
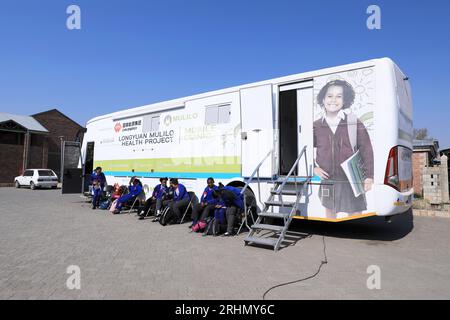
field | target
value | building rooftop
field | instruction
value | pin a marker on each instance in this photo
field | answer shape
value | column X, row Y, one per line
column 428, row 145
column 425, row 143
column 27, row 122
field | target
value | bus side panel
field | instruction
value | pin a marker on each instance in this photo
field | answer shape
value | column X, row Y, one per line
column 347, row 152
column 199, row 140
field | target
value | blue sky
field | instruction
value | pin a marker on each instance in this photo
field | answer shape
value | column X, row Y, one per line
column 132, row 53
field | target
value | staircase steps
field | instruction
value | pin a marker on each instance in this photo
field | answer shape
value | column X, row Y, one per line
column 270, row 227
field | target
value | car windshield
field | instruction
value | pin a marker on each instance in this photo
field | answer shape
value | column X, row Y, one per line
column 45, row 173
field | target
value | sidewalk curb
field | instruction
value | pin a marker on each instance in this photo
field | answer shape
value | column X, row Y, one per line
column 431, row 213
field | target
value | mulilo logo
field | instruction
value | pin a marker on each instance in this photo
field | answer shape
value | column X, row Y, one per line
column 168, row 120
column 118, row 127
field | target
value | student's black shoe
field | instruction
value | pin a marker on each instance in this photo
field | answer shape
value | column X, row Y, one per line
column 141, row 217
column 94, row 207
column 155, row 220
column 228, row 234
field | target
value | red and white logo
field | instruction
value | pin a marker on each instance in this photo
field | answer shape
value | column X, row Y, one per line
column 118, row 127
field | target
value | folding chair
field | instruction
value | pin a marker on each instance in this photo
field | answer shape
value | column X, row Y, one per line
column 145, row 215
column 147, row 212
column 138, row 198
column 244, row 220
column 191, row 201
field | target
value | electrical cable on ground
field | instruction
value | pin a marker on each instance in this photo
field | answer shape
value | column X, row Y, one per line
column 324, row 261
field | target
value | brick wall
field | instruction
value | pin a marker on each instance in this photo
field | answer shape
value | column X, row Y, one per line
column 38, row 153
column 10, row 163
column 58, row 125
column 430, row 182
column 420, row 161
column 432, row 189
column 37, row 157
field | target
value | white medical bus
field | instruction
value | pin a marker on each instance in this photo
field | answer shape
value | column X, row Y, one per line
column 342, row 135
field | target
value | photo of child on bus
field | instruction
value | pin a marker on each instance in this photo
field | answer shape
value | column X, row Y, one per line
column 334, row 147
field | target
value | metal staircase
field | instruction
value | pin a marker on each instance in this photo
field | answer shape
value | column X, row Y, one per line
column 276, row 208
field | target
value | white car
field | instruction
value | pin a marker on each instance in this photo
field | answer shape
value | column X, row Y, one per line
column 35, row 178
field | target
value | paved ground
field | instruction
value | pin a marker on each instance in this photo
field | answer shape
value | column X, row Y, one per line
column 43, row 232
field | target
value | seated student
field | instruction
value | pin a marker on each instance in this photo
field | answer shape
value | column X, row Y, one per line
column 167, row 198
column 98, row 181
column 134, row 191
column 132, row 180
column 202, row 210
column 156, row 199
column 180, row 199
column 117, row 192
column 234, row 203
column 219, row 216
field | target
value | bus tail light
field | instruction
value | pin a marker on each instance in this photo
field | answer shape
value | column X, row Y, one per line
column 391, row 177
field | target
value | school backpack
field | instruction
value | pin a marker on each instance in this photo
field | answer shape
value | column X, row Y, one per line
column 213, row 227
column 167, row 216
column 104, row 205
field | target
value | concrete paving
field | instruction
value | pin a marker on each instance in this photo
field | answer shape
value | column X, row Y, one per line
column 43, row 232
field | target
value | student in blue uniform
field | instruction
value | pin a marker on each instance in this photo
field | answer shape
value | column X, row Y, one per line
column 219, row 216
column 156, row 199
column 234, row 203
column 98, row 181
column 167, row 198
column 135, row 189
column 205, row 208
column 180, row 199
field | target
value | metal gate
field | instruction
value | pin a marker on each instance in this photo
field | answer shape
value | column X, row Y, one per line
column 72, row 176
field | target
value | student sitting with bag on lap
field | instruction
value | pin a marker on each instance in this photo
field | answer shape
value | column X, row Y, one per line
column 205, row 208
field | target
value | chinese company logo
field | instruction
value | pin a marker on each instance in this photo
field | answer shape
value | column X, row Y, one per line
column 117, row 127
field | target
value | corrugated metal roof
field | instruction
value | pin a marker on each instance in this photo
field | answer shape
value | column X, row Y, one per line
column 27, row 122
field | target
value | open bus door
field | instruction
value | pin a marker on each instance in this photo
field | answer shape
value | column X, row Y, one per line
column 257, row 129
column 296, row 114
column 71, row 176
